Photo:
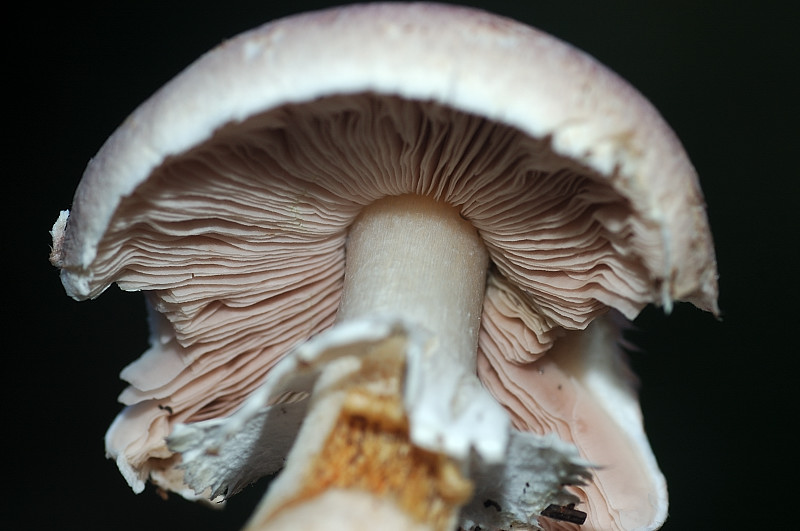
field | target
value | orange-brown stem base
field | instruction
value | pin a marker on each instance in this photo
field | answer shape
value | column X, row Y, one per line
column 369, row 450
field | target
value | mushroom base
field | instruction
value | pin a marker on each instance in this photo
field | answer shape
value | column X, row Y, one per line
column 366, row 452
column 370, row 451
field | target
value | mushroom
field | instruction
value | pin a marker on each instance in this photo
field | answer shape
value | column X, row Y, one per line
column 385, row 249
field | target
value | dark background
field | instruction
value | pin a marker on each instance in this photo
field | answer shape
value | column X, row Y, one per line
column 719, row 396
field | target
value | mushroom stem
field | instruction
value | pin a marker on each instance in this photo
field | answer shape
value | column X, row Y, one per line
column 412, row 258
column 417, row 259
column 402, row 424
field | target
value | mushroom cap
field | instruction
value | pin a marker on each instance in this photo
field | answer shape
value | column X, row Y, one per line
column 228, row 194
column 465, row 59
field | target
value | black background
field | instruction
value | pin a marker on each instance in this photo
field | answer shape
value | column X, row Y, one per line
column 719, row 396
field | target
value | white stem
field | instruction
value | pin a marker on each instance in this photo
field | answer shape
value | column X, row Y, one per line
column 415, row 259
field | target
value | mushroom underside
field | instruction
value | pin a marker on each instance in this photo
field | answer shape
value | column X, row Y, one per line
column 240, row 244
